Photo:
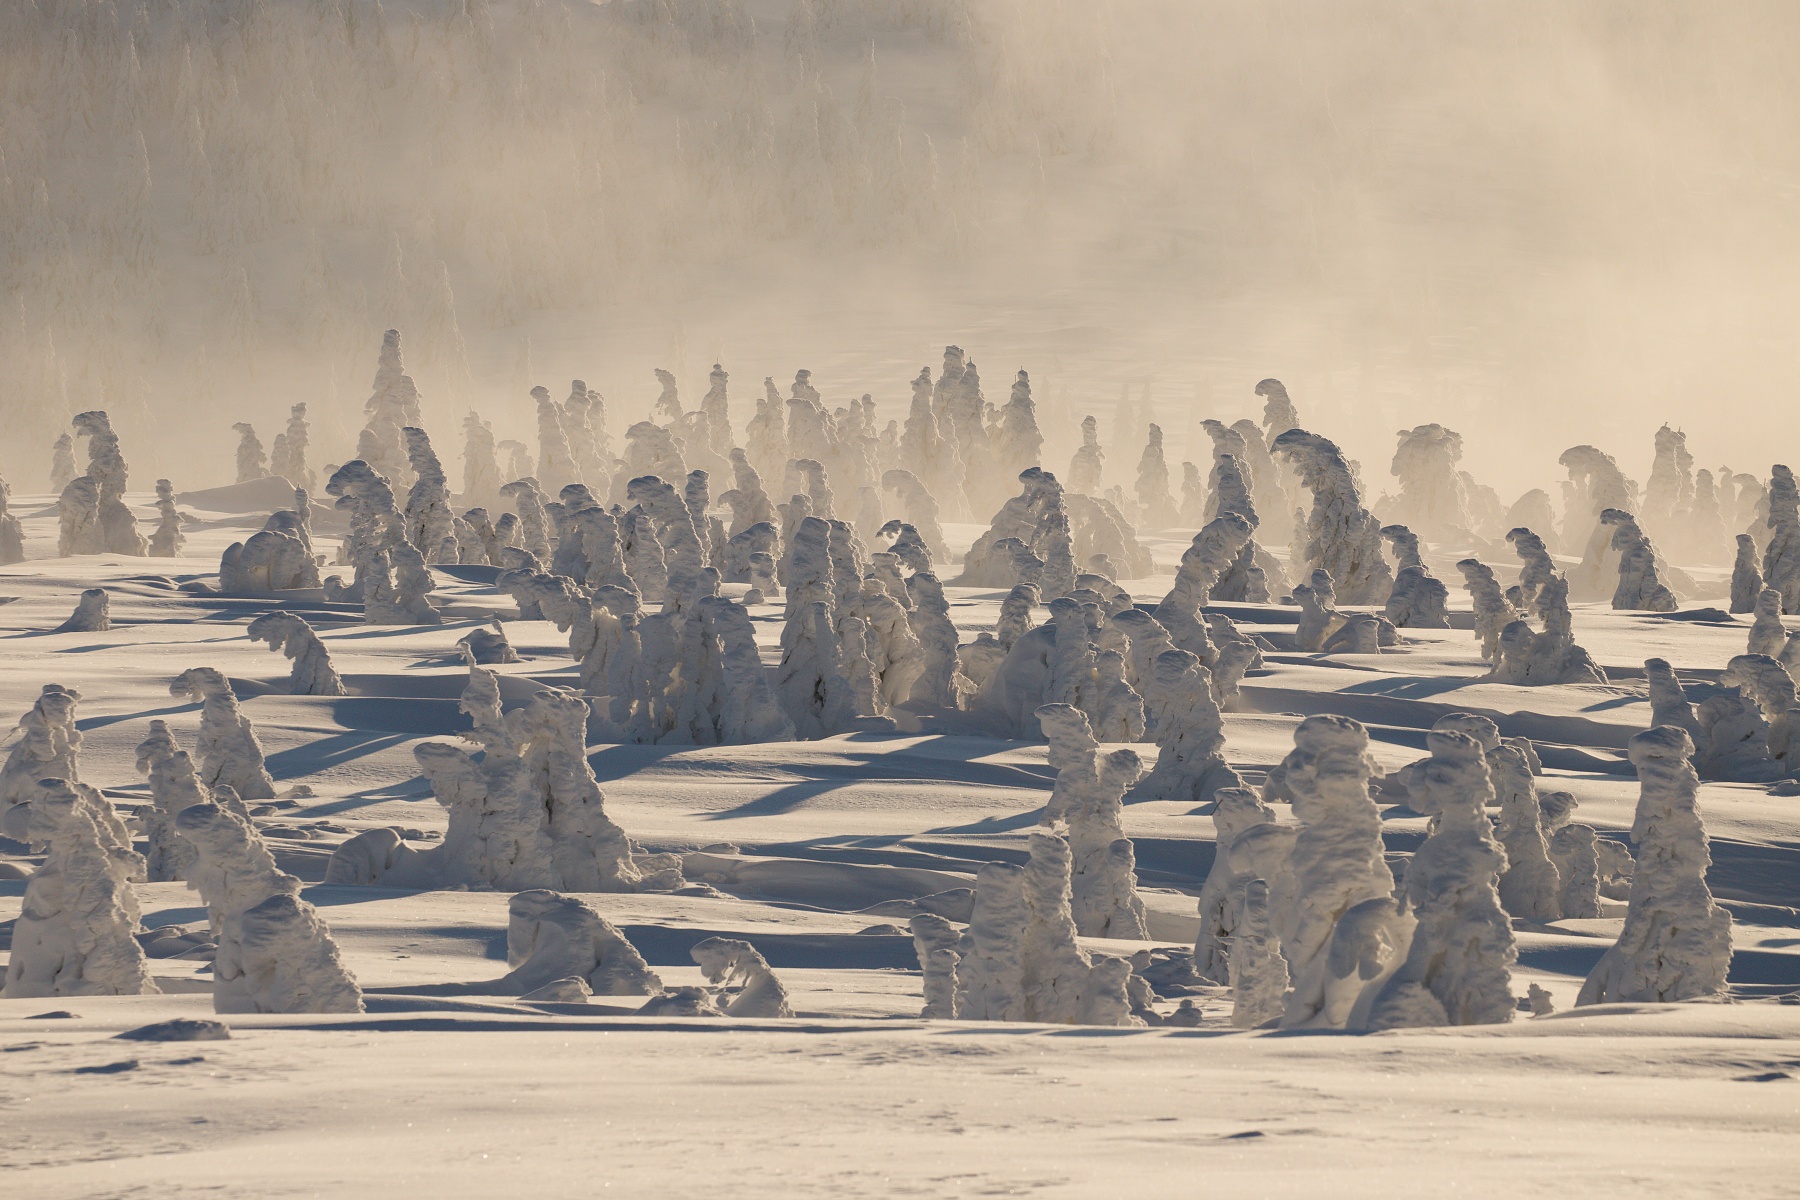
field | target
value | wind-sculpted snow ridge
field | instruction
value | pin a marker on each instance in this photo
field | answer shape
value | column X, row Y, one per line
column 173, row 787
column 313, row 674
column 1781, row 558
column 393, row 404
column 430, row 524
column 1088, row 795
column 1493, row 611
column 732, row 963
column 1250, row 846
column 166, row 540
column 550, row 936
column 252, row 460
column 1019, row 960
column 1419, row 599
column 1529, row 658
column 1190, row 733
column 1328, row 908
column 93, row 613
column 274, row 954
column 1156, row 504
column 49, row 747
column 1457, row 968
column 1341, row 536
column 1640, row 588
column 73, row 936
column 114, row 529
column 1206, row 560
column 1595, row 485
column 1676, row 943
column 1432, row 498
column 229, row 751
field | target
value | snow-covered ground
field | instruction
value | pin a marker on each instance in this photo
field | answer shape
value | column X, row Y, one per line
column 448, row 1086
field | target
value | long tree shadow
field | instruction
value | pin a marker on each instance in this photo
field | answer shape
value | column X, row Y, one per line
column 328, row 752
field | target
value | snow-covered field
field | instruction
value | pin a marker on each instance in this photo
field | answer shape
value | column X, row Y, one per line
column 448, row 1086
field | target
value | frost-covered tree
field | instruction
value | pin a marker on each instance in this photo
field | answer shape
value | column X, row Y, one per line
column 93, row 613
column 1419, row 600
column 62, row 462
column 430, row 523
column 1088, row 795
column 1155, row 502
column 481, row 467
column 313, row 674
column 1676, row 943
column 107, row 468
column 73, row 936
column 230, row 753
column 1457, row 969
column 1341, row 536
column 556, row 462
column 1746, row 576
column 765, row 437
column 1529, row 658
column 288, row 458
column 935, row 940
column 1089, row 463
column 1337, row 862
column 550, row 936
column 1595, row 485
column 1258, row 973
column 166, row 541
column 393, row 404
column 1640, row 588
column 78, row 519
column 274, row 954
column 931, row 624
column 1767, row 634
column 252, row 461
column 1781, row 558
column 1763, row 681
column 12, row 534
column 173, row 787
column 1529, row 884
column 1190, row 734
column 919, row 509
column 1670, row 489
column 733, row 963
column 1249, row 846
column 1017, row 443
column 49, row 747
column 1208, row 557
column 584, row 425
column 1432, row 499
column 1493, row 612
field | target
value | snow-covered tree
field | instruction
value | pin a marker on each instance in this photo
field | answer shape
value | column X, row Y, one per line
column 166, row 541
column 93, row 613
column 1341, row 536
column 229, row 751
column 551, row 936
column 313, row 674
column 252, row 461
column 1640, row 588
column 1493, row 612
column 1432, row 498
column 1746, row 575
column 734, row 963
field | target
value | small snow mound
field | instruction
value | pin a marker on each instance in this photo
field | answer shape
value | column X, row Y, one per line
column 181, row 1029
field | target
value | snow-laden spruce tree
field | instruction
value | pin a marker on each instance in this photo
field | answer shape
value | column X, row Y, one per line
column 1493, row 611
column 1574, row 848
column 229, row 751
column 551, row 936
column 1249, row 846
column 1670, row 489
column 165, row 542
column 936, row 941
column 1764, row 682
column 393, row 404
column 117, row 531
column 1208, row 557
column 73, row 936
column 49, row 747
column 1595, row 485
column 481, row 467
column 1089, row 463
column 12, row 534
column 288, row 458
column 1529, row 658
column 730, row 963
column 1257, row 972
column 1431, row 498
column 1746, row 575
column 1457, row 969
column 78, row 519
column 430, row 523
column 62, row 462
column 1190, row 734
column 252, row 460
column 173, row 787
column 274, row 954
column 1676, row 944
column 1088, row 794
column 1337, row 861
column 1017, row 442
column 1341, row 536
column 584, row 424
column 931, row 624
column 1767, row 634
column 93, row 613
column 1529, row 886
column 556, row 462
column 1640, row 588
column 1419, row 600
column 1019, row 960
column 1155, row 501
column 313, row 674
column 765, row 437
column 1781, row 557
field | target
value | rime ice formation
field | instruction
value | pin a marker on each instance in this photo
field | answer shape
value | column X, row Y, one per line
column 48, row 748
column 313, row 674
column 1640, row 589
column 1764, row 682
column 12, row 534
column 1249, row 846
column 1089, row 463
column 1529, row 658
column 1190, row 763
column 550, row 936
column 1155, row 502
column 1781, row 558
column 1432, row 498
column 1575, row 851
column 481, row 467
column 430, row 526
column 93, row 613
column 1595, row 485
column 1529, row 884
column 1088, row 794
column 919, row 509
column 1493, row 612
column 1746, row 576
column 73, row 936
column 584, row 424
column 1203, row 563
column 1419, row 599
column 1341, row 536
column 1336, row 864
column 165, row 542
column 1676, row 944
column 728, row 963
column 391, row 578
column 393, row 404
column 1258, row 973
column 1457, row 969
column 173, row 787
column 1019, row 960
column 62, row 462
column 117, row 528
column 270, row 560
column 1733, row 728
column 1537, row 567
column 288, row 458
column 1767, row 634
column 78, row 519
column 274, row 954
column 252, row 462
column 935, row 941
column 1017, row 443
column 229, row 751
column 1670, row 490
